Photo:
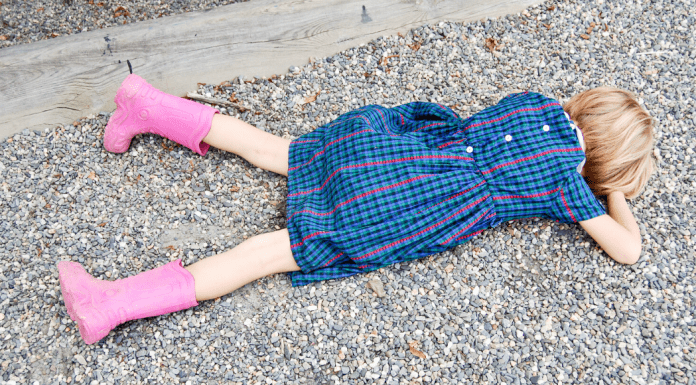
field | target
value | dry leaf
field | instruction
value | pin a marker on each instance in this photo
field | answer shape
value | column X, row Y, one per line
column 412, row 348
column 234, row 189
column 310, row 99
column 101, row 224
column 589, row 30
column 40, row 9
column 168, row 148
column 585, row 37
column 491, row 44
column 55, row 34
column 415, row 46
column 3, row 37
column 120, row 11
column 551, row 8
column 92, row 175
column 548, row 26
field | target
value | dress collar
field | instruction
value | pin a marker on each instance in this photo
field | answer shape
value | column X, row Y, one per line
column 581, row 140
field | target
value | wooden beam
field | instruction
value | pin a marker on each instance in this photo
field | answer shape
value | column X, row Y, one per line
column 52, row 82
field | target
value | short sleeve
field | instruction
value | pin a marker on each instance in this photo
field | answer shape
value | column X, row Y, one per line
column 575, row 201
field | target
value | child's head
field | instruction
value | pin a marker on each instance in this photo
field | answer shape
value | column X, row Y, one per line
column 619, row 137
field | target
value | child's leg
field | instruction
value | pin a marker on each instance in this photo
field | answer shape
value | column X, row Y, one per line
column 260, row 148
column 141, row 108
column 99, row 306
column 254, row 258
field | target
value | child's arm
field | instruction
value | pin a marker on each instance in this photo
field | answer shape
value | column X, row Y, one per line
column 617, row 233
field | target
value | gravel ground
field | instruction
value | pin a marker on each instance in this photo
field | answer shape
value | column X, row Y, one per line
column 530, row 302
column 23, row 21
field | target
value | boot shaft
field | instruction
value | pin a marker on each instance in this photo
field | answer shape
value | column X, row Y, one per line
column 98, row 306
column 142, row 108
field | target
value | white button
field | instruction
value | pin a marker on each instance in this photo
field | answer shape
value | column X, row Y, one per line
column 470, row 149
column 545, row 128
column 567, row 116
column 508, row 138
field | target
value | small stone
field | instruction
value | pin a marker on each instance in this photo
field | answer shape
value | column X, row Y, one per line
column 80, row 359
column 377, row 286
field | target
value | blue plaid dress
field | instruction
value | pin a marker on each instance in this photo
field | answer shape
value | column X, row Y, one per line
column 384, row 185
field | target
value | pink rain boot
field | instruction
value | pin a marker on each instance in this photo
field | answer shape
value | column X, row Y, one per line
column 99, row 306
column 142, row 108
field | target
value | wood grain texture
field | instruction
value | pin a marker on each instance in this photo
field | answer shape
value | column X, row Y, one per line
column 56, row 81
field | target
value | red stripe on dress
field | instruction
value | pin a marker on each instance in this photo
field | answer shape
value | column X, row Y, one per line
column 475, row 221
column 327, row 145
column 454, row 196
column 402, row 119
column 386, row 126
column 429, row 125
column 530, row 158
column 364, row 266
column 508, row 115
column 304, row 141
column 307, row 237
column 377, row 164
column 447, row 109
column 347, row 136
column 541, row 194
column 355, row 117
column 451, row 143
column 476, row 232
column 471, row 235
column 331, row 260
column 361, row 196
column 385, row 247
column 308, row 162
column 567, row 208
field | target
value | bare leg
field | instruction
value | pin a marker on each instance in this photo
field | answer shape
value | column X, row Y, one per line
column 254, row 258
column 260, row 148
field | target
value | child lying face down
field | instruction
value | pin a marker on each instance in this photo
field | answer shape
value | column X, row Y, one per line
column 381, row 185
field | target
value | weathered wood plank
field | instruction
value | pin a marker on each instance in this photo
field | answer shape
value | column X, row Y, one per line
column 53, row 82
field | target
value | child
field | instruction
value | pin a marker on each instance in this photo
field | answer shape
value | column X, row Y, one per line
column 384, row 185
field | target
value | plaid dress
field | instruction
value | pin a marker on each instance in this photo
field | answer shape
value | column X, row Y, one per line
column 384, row 185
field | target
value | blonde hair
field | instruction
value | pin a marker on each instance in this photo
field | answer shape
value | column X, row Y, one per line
column 619, row 137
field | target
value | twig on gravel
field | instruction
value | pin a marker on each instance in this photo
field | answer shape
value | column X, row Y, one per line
column 219, row 102
column 654, row 53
